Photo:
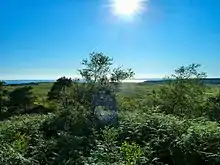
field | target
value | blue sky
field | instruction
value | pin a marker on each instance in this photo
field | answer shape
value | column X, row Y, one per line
column 45, row 39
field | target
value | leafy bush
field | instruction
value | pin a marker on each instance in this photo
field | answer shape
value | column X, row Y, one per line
column 21, row 100
column 105, row 150
column 171, row 126
column 200, row 144
column 59, row 91
column 154, row 132
column 3, row 101
column 71, row 130
column 129, row 103
column 22, row 141
column 212, row 107
column 130, row 153
column 184, row 94
column 172, row 140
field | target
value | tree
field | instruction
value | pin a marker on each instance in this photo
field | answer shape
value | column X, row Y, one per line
column 101, row 81
column 98, row 70
column 3, row 93
column 21, row 99
column 59, row 90
column 99, row 74
column 184, row 93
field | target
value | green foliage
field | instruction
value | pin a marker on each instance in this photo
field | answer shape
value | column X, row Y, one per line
column 131, row 153
column 212, row 107
column 156, row 133
column 70, row 129
column 21, row 100
column 82, row 93
column 21, row 141
column 105, row 149
column 99, row 76
column 59, row 91
column 170, row 140
column 184, row 94
column 109, row 151
column 3, row 93
column 98, row 69
column 129, row 103
column 73, row 120
column 200, row 144
column 170, row 126
column 8, row 156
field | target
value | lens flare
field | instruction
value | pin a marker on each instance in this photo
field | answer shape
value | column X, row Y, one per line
column 127, row 8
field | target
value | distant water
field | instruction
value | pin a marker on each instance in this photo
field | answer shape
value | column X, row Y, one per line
column 45, row 81
column 26, row 81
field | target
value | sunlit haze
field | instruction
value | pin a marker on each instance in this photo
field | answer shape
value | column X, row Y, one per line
column 126, row 8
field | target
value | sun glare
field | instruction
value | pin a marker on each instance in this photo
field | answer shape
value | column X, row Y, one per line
column 126, row 7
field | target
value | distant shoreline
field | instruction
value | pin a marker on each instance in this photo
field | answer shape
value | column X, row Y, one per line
column 24, row 82
column 150, row 80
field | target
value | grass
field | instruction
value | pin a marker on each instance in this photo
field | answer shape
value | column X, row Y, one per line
column 213, row 89
column 39, row 90
column 137, row 88
column 42, row 89
column 133, row 89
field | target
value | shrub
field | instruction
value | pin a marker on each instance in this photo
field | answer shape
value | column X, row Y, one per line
column 59, row 90
column 212, row 107
column 71, row 130
column 105, row 150
column 21, row 140
column 184, row 94
column 21, row 100
column 200, row 144
column 129, row 103
column 130, row 153
column 171, row 140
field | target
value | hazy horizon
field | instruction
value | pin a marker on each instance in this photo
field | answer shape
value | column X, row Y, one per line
column 132, row 79
column 76, row 76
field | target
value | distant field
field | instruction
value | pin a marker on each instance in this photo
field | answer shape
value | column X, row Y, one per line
column 39, row 90
column 42, row 89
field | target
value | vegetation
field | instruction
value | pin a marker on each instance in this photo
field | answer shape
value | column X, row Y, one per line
column 175, row 123
column 184, row 93
column 59, row 91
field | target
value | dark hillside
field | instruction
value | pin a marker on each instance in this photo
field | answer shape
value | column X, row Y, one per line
column 208, row 81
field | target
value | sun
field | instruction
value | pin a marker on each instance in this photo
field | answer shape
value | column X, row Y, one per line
column 126, row 8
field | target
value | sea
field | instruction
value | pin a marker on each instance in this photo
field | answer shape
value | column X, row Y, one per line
column 154, row 80
column 26, row 81
column 8, row 82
